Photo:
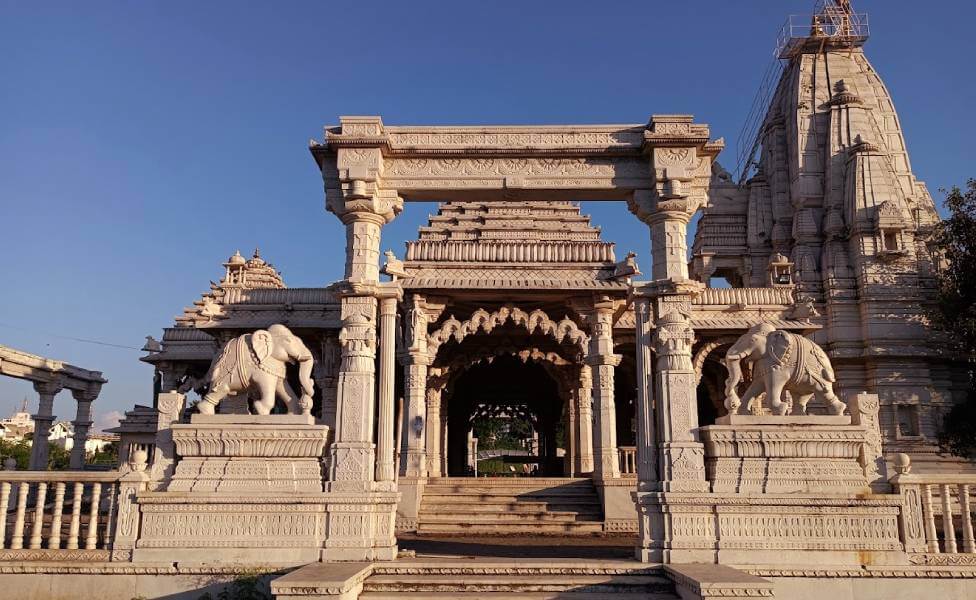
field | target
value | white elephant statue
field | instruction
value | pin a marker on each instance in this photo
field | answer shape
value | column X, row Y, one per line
column 782, row 361
column 255, row 362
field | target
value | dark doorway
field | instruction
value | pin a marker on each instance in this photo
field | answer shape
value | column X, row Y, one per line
column 506, row 399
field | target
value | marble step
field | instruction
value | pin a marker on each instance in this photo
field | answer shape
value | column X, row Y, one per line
column 510, row 526
column 502, row 495
column 491, row 518
column 539, row 488
column 567, row 595
column 493, row 582
column 522, row 508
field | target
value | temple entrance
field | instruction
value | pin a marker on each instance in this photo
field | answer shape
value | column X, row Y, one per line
column 508, row 413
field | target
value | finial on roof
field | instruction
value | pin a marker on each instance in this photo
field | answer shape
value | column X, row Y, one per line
column 236, row 259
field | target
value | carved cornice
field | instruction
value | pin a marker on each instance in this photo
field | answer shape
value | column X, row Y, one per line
column 363, row 156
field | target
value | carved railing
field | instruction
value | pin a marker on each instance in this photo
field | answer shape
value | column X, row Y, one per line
column 57, row 510
column 628, row 459
column 938, row 513
column 766, row 296
column 511, row 251
column 70, row 515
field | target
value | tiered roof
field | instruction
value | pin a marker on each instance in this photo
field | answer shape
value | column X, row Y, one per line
column 506, row 245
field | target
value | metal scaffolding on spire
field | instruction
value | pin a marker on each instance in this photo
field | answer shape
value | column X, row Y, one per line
column 833, row 24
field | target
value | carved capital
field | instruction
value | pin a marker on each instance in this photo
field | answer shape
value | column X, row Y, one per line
column 357, row 338
column 667, row 287
column 48, row 388
column 86, row 395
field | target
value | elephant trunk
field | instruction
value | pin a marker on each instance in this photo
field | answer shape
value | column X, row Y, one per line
column 733, row 364
column 305, row 364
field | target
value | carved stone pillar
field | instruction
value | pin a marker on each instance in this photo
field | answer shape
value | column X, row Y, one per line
column 353, row 459
column 444, row 438
column 433, row 432
column 169, row 407
column 82, row 422
column 864, row 408
column 602, row 361
column 674, row 426
column 415, row 359
column 384, row 434
column 326, row 379
column 40, row 447
column 681, row 455
column 584, row 399
column 351, row 161
column 646, row 437
column 415, row 424
column 571, row 427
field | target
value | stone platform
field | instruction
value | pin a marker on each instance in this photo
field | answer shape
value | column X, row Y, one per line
column 248, row 489
column 785, row 455
column 249, row 454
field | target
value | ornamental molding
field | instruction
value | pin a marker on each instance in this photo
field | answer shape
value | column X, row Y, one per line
column 363, row 158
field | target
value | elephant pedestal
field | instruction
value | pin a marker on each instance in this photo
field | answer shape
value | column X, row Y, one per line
column 249, row 454
column 789, row 491
column 785, row 455
column 247, row 489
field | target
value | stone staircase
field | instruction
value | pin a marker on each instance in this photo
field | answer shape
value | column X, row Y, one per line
column 499, row 506
column 506, row 579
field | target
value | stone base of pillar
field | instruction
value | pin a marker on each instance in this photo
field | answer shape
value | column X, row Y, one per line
column 682, row 467
column 616, row 495
column 351, row 467
column 415, row 464
column 360, row 527
column 411, row 495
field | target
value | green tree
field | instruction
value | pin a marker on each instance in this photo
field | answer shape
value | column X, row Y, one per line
column 108, row 456
column 20, row 450
column 955, row 310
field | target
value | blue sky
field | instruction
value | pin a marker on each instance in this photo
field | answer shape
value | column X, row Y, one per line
column 143, row 142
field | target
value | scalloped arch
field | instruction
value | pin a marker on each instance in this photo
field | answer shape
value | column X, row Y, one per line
column 483, row 321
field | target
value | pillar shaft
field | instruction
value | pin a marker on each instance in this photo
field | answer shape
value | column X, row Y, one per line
column 40, row 446
column 353, row 452
column 646, row 438
column 326, row 380
column 415, row 424
column 433, row 432
column 444, row 443
column 669, row 246
column 384, row 434
column 681, row 456
column 602, row 361
column 363, row 248
column 82, row 423
column 584, row 397
column 572, row 436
